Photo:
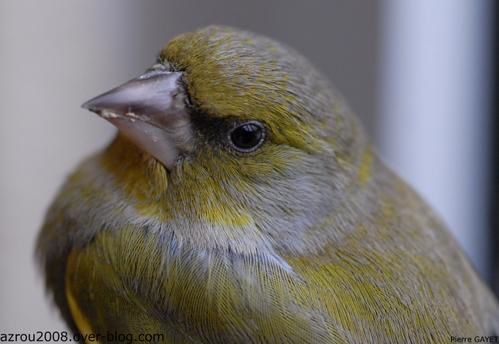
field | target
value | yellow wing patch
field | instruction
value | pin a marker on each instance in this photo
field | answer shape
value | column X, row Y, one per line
column 79, row 318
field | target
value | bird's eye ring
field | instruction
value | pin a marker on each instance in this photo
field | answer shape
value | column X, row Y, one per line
column 247, row 137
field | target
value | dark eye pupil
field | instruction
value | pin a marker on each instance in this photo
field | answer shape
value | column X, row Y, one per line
column 247, row 136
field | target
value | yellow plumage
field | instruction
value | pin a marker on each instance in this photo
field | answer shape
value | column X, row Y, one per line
column 304, row 238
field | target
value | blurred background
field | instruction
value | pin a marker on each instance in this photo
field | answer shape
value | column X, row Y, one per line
column 421, row 75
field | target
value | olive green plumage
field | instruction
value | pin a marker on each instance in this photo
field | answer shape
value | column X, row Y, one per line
column 307, row 239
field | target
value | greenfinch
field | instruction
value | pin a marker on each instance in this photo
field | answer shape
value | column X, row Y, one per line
column 242, row 202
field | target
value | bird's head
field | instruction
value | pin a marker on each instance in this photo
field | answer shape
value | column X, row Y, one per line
column 231, row 129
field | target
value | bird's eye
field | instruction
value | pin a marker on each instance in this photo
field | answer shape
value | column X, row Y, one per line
column 247, row 137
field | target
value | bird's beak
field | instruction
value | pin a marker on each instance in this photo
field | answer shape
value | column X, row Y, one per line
column 151, row 111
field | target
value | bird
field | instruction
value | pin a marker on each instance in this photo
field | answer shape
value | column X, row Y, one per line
column 241, row 201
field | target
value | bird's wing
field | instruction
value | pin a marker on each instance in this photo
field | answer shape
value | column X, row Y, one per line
column 102, row 305
column 401, row 289
column 126, row 281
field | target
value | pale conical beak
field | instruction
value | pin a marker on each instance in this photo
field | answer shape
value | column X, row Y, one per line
column 150, row 110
